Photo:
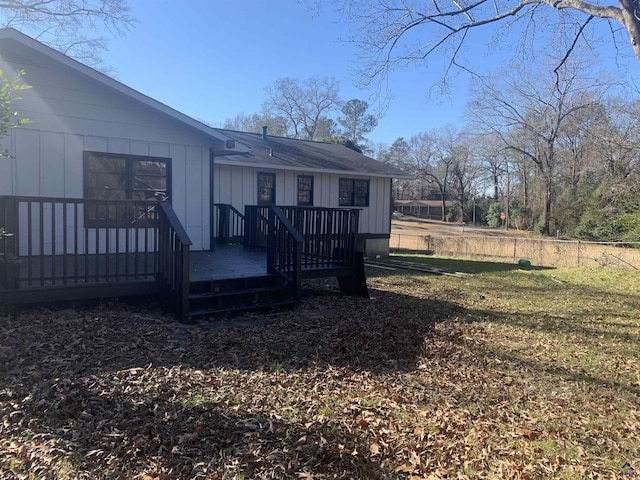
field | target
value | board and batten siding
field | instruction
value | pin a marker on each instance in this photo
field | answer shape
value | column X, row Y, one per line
column 238, row 186
column 70, row 114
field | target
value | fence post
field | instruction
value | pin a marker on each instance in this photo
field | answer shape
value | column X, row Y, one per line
column 514, row 249
column 578, row 253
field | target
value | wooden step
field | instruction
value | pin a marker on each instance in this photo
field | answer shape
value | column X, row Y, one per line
column 238, row 295
column 201, row 312
column 227, row 293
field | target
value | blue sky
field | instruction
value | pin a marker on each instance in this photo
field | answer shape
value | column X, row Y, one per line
column 212, row 60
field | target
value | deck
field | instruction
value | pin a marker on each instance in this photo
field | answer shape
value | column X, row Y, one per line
column 234, row 261
column 138, row 248
column 227, row 262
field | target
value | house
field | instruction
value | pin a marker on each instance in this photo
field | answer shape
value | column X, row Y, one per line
column 109, row 192
column 431, row 209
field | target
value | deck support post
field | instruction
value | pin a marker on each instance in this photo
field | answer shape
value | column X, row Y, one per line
column 356, row 283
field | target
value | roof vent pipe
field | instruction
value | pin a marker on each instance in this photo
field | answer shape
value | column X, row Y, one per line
column 264, row 132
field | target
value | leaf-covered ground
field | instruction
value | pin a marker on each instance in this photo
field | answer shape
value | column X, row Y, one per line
column 503, row 374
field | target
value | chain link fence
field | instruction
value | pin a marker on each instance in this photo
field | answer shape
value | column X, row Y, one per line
column 543, row 252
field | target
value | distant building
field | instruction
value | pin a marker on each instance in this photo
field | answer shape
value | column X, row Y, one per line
column 431, row 209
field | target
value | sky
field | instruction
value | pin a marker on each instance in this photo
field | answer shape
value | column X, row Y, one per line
column 212, row 60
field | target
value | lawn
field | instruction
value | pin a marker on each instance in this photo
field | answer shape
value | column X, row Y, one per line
column 506, row 373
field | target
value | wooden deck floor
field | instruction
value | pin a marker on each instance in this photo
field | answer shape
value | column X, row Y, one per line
column 227, row 262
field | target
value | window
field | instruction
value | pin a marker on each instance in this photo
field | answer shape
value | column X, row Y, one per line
column 305, row 190
column 354, row 193
column 266, row 188
column 110, row 176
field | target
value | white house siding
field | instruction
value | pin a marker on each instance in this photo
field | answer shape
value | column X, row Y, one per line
column 70, row 114
column 237, row 185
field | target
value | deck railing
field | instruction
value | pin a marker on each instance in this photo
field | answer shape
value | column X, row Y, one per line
column 329, row 234
column 66, row 241
column 173, row 265
column 256, row 226
column 229, row 225
column 284, row 251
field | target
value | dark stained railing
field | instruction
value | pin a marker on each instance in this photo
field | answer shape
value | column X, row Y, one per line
column 69, row 241
column 173, row 267
column 284, row 250
column 256, row 226
column 230, row 224
column 329, row 234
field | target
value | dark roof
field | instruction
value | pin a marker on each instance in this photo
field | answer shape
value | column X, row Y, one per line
column 291, row 153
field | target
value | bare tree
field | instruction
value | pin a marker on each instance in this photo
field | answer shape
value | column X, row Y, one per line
column 529, row 113
column 422, row 150
column 63, row 24
column 617, row 142
column 303, row 103
column 395, row 34
column 465, row 170
column 578, row 143
column 490, row 151
column 439, row 170
column 253, row 124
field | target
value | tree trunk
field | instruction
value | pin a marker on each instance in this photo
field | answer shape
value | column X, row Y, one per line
column 631, row 24
column 547, row 206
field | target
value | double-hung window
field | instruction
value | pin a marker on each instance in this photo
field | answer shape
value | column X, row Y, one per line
column 353, row 192
column 266, row 188
column 305, row 190
column 111, row 177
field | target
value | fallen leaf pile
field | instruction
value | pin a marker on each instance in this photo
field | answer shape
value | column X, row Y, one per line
column 423, row 381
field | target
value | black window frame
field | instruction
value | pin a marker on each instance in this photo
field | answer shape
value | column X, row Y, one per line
column 306, row 189
column 350, row 192
column 105, row 212
column 260, row 186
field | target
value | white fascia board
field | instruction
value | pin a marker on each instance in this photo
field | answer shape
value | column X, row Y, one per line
column 302, row 168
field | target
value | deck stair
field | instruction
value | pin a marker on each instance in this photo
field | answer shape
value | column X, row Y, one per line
column 213, row 297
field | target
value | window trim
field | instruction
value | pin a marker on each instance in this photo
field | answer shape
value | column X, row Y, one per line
column 272, row 175
column 352, row 201
column 310, row 202
column 130, row 187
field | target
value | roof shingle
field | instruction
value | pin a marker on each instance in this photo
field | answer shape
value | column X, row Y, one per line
column 291, row 153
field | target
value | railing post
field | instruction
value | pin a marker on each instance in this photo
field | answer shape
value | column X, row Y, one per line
column 174, row 246
column 184, row 293
column 9, row 260
column 297, row 269
column 223, row 223
column 271, row 239
column 355, row 228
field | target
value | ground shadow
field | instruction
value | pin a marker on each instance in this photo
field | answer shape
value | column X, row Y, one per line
column 78, row 379
column 462, row 265
column 119, row 431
